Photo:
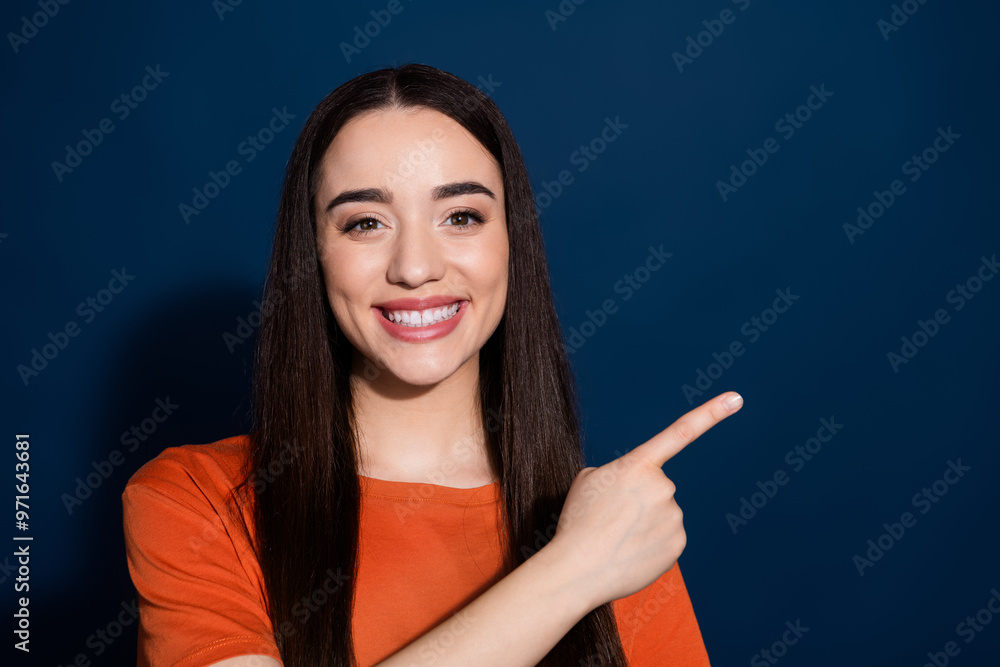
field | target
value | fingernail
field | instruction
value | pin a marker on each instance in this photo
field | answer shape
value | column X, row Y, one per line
column 733, row 402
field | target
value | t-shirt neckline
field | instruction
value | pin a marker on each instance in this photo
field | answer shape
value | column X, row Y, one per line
column 385, row 488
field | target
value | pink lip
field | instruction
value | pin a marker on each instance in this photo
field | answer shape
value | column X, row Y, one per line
column 419, row 334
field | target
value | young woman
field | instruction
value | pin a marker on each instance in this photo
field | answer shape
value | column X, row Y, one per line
column 413, row 491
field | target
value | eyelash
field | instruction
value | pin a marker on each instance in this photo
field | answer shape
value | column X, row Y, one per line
column 351, row 227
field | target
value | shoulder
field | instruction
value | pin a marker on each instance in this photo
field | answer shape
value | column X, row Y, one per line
column 210, row 466
column 197, row 477
column 177, row 506
column 191, row 557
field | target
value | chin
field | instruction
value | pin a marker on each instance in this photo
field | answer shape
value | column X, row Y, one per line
column 415, row 371
column 420, row 377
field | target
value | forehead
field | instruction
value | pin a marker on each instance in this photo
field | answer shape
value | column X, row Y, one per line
column 414, row 148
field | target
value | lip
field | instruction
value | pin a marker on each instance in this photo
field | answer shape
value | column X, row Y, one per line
column 420, row 334
column 419, row 304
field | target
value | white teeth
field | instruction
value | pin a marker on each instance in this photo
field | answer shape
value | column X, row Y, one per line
column 421, row 318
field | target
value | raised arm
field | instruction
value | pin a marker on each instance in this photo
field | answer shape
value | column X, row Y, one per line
column 619, row 530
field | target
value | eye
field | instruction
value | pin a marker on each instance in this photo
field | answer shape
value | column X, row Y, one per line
column 361, row 226
column 465, row 218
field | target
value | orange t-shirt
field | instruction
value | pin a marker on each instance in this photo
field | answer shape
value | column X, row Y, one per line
column 425, row 552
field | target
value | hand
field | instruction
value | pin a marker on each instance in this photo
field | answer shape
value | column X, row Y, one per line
column 620, row 526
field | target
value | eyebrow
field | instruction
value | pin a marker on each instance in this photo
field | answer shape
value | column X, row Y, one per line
column 382, row 196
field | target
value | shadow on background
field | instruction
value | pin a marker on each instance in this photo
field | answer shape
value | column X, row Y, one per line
column 175, row 357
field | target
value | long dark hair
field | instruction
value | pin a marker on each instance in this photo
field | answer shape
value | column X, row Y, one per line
column 306, row 519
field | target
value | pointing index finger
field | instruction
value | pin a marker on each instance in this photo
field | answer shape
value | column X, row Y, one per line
column 664, row 445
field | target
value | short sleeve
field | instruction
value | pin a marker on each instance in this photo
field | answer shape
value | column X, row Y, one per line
column 658, row 626
column 198, row 582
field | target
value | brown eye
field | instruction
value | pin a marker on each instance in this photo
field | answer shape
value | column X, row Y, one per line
column 361, row 227
column 464, row 219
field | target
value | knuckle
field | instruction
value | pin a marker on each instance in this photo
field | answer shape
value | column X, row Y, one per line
column 685, row 429
column 716, row 413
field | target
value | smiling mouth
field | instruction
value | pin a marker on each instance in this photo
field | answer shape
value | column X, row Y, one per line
column 421, row 318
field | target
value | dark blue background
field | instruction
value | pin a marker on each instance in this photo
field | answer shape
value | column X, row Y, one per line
column 826, row 357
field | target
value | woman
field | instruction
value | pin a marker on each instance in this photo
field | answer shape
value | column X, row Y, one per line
column 413, row 490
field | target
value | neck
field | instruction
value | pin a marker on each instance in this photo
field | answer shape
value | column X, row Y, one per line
column 432, row 434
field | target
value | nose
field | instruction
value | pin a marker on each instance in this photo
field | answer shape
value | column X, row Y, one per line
column 417, row 255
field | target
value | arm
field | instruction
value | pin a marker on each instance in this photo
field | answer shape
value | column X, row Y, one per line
column 516, row 622
column 619, row 530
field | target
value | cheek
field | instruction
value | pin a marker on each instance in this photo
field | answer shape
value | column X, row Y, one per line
column 500, row 263
column 490, row 266
column 341, row 278
column 493, row 245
